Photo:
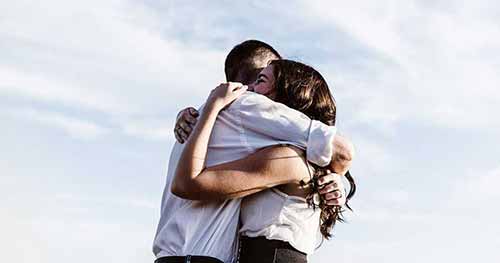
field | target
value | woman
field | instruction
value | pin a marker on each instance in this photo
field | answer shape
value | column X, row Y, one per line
column 265, row 233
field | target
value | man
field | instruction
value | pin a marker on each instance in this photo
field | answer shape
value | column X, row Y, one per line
column 208, row 229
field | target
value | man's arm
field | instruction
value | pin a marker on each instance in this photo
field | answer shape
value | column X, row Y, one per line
column 261, row 170
column 343, row 155
column 278, row 122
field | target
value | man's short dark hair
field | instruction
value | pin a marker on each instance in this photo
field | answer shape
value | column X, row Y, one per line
column 242, row 62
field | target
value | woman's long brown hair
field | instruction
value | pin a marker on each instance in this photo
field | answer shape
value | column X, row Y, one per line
column 301, row 87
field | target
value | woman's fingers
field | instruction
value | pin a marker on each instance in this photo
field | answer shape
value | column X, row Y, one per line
column 239, row 90
column 226, row 93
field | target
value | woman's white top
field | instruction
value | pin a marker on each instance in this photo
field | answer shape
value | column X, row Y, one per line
column 278, row 216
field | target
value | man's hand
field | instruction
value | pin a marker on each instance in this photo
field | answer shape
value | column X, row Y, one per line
column 186, row 119
column 333, row 191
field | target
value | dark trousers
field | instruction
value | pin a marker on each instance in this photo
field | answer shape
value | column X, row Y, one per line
column 188, row 259
column 262, row 250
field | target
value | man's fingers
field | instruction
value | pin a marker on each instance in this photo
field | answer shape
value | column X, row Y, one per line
column 335, row 198
column 193, row 112
column 334, row 202
column 188, row 130
column 185, row 126
column 182, row 134
column 190, row 118
column 333, row 195
column 178, row 137
column 328, row 178
column 332, row 186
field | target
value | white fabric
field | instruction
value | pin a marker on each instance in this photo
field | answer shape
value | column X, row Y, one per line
column 251, row 122
column 278, row 216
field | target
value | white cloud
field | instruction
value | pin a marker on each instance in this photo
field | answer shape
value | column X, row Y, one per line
column 430, row 64
column 152, row 129
column 43, row 88
column 113, row 59
column 93, row 69
column 77, row 128
column 478, row 189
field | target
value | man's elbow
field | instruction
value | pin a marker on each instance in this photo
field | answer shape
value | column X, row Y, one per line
column 348, row 152
column 343, row 155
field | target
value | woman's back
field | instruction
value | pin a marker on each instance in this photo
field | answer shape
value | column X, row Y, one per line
column 282, row 212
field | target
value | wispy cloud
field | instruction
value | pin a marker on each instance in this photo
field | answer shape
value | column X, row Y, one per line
column 415, row 83
column 423, row 70
column 153, row 128
column 77, row 128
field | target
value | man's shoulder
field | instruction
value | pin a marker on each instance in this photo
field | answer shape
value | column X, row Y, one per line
column 251, row 99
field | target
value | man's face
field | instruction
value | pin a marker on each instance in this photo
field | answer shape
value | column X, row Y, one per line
column 264, row 84
column 260, row 64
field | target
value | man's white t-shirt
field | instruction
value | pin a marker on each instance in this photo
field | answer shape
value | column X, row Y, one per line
column 251, row 122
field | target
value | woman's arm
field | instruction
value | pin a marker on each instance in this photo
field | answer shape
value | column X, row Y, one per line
column 192, row 159
column 261, row 170
column 264, row 169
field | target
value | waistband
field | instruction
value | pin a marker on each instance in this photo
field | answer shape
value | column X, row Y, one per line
column 264, row 243
column 187, row 259
column 262, row 250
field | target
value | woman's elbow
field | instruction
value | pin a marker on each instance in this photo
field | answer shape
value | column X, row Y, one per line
column 178, row 190
column 185, row 192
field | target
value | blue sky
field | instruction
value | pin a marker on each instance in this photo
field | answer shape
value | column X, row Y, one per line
column 89, row 91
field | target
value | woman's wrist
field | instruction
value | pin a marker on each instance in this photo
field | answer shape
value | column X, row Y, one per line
column 214, row 105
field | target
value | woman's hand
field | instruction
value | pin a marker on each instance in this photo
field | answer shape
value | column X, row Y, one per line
column 224, row 94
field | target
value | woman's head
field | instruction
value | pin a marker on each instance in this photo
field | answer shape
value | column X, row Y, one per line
column 302, row 88
column 298, row 86
column 264, row 84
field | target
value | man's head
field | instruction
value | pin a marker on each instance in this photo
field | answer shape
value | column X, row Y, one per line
column 247, row 59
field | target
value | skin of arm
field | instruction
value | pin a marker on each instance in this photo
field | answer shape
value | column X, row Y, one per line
column 261, row 170
column 343, row 155
column 264, row 169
